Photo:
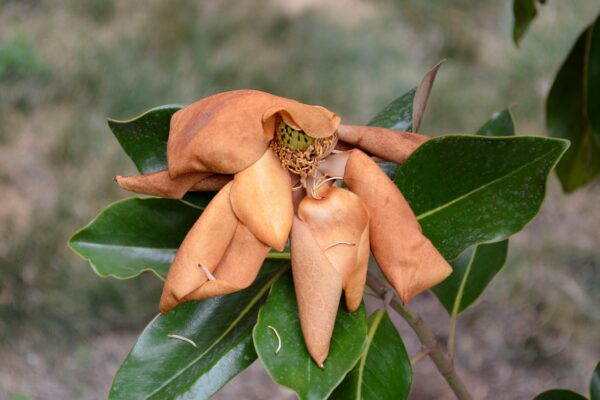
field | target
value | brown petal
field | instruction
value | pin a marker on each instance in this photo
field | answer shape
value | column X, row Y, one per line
column 315, row 121
column 387, row 144
column 337, row 222
column 407, row 258
column 318, row 290
column 212, row 183
column 160, row 183
column 261, row 197
column 422, row 95
column 227, row 132
column 354, row 286
column 238, row 267
column 205, row 244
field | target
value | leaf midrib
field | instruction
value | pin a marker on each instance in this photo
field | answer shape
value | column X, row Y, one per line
column 480, row 188
column 361, row 366
column 242, row 314
column 96, row 245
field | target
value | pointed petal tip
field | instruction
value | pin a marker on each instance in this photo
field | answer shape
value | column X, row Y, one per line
column 319, row 358
column 168, row 301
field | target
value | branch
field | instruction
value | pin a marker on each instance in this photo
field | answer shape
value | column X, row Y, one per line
column 437, row 353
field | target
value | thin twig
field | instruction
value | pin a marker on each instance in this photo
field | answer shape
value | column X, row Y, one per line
column 419, row 356
column 437, row 353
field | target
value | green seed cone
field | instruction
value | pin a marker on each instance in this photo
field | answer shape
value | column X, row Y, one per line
column 292, row 138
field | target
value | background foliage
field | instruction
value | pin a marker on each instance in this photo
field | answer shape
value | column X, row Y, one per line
column 66, row 65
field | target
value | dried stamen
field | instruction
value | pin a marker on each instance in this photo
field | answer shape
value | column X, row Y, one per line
column 338, row 243
column 299, row 152
column 210, row 276
column 190, row 341
column 322, row 181
column 278, row 338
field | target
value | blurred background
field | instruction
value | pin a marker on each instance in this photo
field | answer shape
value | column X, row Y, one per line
column 67, row 65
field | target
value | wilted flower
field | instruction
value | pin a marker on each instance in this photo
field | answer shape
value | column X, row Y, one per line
column 275, row 163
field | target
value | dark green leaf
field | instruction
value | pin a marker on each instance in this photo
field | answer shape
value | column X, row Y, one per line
column 595, row 384
column 384, row 370
column 467, row 190
column 573, row 109
column 292, row 366
column 476, row 267
column 524, row 11
column 133, row 236
column 559, row 394
column 473, row 270
column 137, row 235
column 144, row 138
column 593, row 78
column 160, row 367
column 397, row 114
column 501, row 124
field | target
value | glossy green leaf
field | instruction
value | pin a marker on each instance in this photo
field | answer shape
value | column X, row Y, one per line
column 501, row 124
column 384, row 370
column 593, row 78
column 163, row 367
column 524, row 12
column 397, row 114
column 144, row 138
column 467, row 190
column 137, row 235
column 559, row 394
column 595, row 384
column 472, row 271
column 573, row 110
column 292, row 366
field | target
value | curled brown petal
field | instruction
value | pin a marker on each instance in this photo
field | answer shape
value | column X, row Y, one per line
column 238, row 267
column 261, row 197
column 160, row 183
column 318, row 289
column 337, row 223
column 384, row 143
column 422, row 96
column 407, row 258
column 315, row 121
column 205, row 244
column 227, row 132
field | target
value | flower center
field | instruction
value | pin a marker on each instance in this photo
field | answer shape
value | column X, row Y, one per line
column 299, row 152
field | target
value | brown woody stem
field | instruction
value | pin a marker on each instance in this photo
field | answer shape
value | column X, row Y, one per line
column 437, row 352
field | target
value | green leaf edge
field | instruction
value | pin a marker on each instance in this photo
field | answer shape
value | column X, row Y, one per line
column 143, row 114
column 249, row 305
column 273, row 255
column 565, row 145
column 70, row 244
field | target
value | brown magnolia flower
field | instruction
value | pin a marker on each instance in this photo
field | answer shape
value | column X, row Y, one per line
column 275, row 163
